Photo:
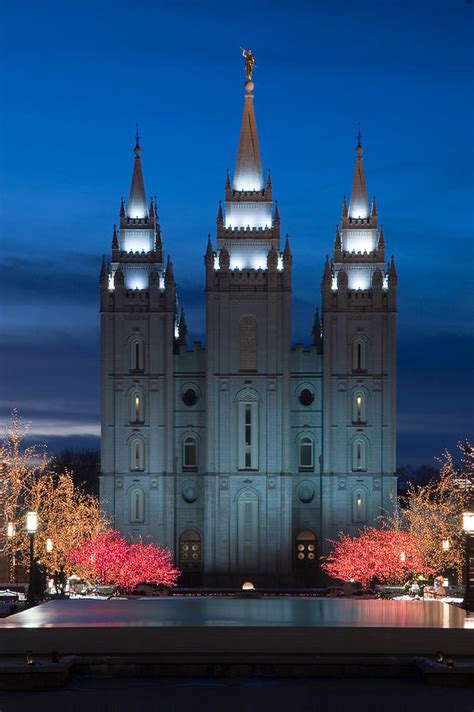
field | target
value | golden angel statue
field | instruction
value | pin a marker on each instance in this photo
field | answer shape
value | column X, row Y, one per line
column 249, row 62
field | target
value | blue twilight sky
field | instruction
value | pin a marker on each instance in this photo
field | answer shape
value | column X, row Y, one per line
column 77, row 75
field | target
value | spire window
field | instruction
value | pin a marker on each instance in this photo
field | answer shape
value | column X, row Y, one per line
column 137, row 409
column 136, row 355
column 137, row 458
column 190, row 459
column 359, row 507
column 137, row 506
column 358, row 408
column 306, row 459
column 359, row 456
column 248, row 434
column 359, row 355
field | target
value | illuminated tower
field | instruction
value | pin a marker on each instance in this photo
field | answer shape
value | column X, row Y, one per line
column 359, row 324
column 248, row 337
column 138, row 329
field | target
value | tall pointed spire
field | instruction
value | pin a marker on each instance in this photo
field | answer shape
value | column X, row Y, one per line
column 137, row 205
column 359, row 205
column 248, row 173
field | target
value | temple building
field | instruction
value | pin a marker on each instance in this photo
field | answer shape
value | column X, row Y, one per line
column 247, row 455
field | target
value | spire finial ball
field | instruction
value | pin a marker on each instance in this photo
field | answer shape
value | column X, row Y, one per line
column 249, row 87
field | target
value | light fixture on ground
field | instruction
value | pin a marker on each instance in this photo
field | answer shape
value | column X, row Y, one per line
column 468, row 526
column 31, row 528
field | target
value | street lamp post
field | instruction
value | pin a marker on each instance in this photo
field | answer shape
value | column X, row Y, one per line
column 31, row 528
column 11, row 557
column 468, row 526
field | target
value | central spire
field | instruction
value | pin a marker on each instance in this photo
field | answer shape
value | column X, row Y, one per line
column 359, row 205
column 248, row 173
column 137, row 205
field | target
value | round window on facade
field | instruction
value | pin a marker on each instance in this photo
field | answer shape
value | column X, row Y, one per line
column 190, row 397
column 306, row 396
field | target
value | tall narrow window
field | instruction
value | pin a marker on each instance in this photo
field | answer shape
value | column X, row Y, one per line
column 137, row 505
column 136, row 408
column 359, row 455
column 358, row 411
column 190, row 461
column 359, row 361
column 358, row 511
column 247, row 436
column 306, row 454
column 137, row 460
column 248, row 343
column 136, row 355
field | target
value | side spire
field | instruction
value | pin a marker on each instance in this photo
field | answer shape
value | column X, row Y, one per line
column 248, row 174
column 359, row 204
column 137, row 204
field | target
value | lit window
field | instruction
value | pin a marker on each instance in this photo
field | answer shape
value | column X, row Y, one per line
column 137, row 408
column 306, row 454
column 189, row 454
column 358, row 415
column 358, row 511
column 190, row 551
column 306, row 549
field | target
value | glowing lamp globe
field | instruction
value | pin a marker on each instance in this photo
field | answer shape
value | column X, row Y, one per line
column 10, row 530
column 32, row 522
column 248, row 586
column 49, row 545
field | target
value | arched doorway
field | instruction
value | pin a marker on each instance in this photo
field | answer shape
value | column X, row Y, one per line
column 306, row 558
column 190, row 559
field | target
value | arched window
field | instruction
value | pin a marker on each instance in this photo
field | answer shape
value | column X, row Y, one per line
column 358, row 507
column 306, row 549
column 137, row 457
column 136, row 355
column 190, row 551
column 248, row 435
column 248, row 343
column 359, row 455
column 190, row 460
column 137, row 505
column 306, row 461
column 358, row 408
column 136, row 404
column 359, row 356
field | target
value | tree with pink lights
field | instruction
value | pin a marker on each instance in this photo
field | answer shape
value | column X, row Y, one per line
column 383, row 555
column 108, row 559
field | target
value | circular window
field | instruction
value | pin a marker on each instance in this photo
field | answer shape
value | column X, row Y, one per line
column 190, row 397
column 306, row 397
